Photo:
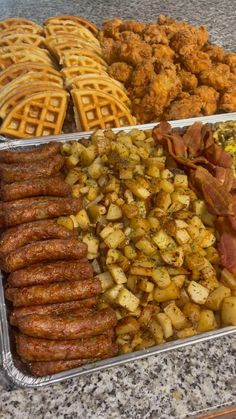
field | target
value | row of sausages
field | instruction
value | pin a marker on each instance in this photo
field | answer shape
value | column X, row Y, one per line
column 50, row 281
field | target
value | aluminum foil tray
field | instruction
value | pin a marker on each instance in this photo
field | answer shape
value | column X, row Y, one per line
column 12, row 367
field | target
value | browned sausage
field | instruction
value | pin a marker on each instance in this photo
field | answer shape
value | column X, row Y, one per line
column 38, row 153
column 46, row 273
column 42, row 209
column 54, row 186
column 26, row 233
column 18, row 172
column 53, row 293
column 34, row 349
column 25, row 202
column 68, row 326
column 43, row 251
column 71, row 306
column 40, row 369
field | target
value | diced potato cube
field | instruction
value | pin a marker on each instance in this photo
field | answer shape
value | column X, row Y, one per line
column 174, row 257
column 132, row 283
column 163, row 240
column 76, row 191
column 145, row 285
column 166, row 186
column 207, row 238
column 161, row 277
column 228, row 311
column 228, row 279
column 106, row 280
column 106, row 231
column 194, row 261
column 95, row 170
column 72, row 160
column 66, row 222
column 181, row 198
column 156, row 331
column 75, row 222
column 216, row 297
column 93, row 193
column 177, row 317
column 112, row 256
column 182, row 236
column 181, row 224
column 137, row 189
column 179, row 280
column 146, row 246
column 66, row 148
column 192, row 312
column 76, row 148
column 163, row 200
column 83, row 219
column 154, row 223
column 211, row 282
column 130, row 252
column 92, row 243
column 72, row 177
column 199, row 207
column 140, row 270
column 117, row 274
column 166, row 324
column 127, row 300
column 112, row 293
column 127, row 325
column 142, row 210
column 196, row 222
column 197, row 292
column 181, row 181
column 207, row 321
column 88, row 155
column 114, row 213
column 186, row 333
column 153, row 171
column 171, row 292
column 156, row 161
column 130, row 210
column 193, row 231
column 114, row 239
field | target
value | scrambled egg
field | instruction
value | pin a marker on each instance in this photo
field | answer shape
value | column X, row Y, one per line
column 225, row 135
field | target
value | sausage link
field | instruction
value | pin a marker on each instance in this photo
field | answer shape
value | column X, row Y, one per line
column 27, row 233
column 43, row 251
column 18, row 172
column 54, row 186
column 68, row 326
column 59, row 308
column 40, row 369
column 34, row 349
column 38, row 153
column 53, row 293
column 41, row 210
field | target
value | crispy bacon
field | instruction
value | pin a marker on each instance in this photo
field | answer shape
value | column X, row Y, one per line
column 193, row 139
column 227, row 250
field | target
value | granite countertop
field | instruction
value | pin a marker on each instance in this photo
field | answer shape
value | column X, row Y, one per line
column 178, row 384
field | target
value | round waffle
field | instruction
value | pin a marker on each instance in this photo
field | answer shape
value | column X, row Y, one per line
column 16, row 70
column 103, row 83
column 20, row 29
column 8, row 59
column 13, row 22
column 77, row 30
column 71, row 72
column 99, row 110
column 39, row 114
column 72, row 58
column 81, row 21
column 67, row 44
column 18, row 94
column 22, row 38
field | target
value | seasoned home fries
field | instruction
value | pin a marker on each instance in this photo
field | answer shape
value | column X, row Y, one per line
column 151, row 240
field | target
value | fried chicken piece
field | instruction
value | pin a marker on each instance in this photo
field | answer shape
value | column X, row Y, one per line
column 121, row 72
column 155, row 34
column 132, row 25
column 110, row 28
column 128, row 36
column 142, row 75
column 162, row 90
column 216, row 77
column 216, row 53
column 108, row 50
column 188, row 40
column 133, row 52
column 230, row 59
column 228, row 100
column 209, row 97
column 171, row 26
column 196, row 61
column 189, row 81
column 163, row 53
column 188, row 107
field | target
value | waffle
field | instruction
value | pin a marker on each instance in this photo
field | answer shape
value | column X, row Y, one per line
column 72, row 72
column 13, row 22
column 68, row 44
column 6, row 60
column 81, row 21
column 103, row 83
column 37, row 115
column 27, row 79
column 76, row 30
column 99, row 110
column 16, row 70
column 19, row 29
column 15, row 96
column 73, row 59
column 24, row 47
column 22, row 38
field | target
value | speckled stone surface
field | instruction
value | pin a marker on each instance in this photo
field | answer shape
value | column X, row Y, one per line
column 178, row 384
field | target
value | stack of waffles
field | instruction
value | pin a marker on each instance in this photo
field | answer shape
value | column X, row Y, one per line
column 33, row 101
column 99, row 101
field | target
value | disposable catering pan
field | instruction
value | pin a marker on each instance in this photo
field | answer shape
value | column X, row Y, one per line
column 13, row 369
